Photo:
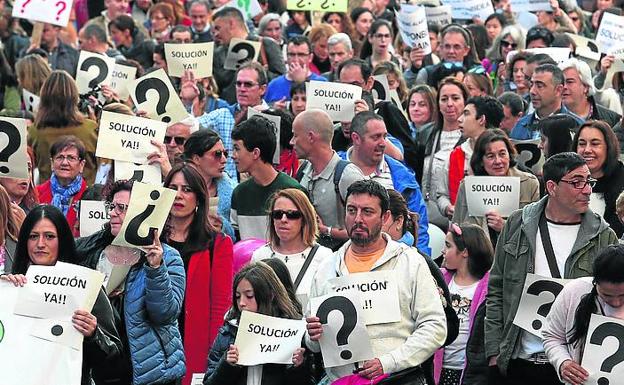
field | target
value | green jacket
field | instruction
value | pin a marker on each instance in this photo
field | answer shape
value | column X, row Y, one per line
column 514, row 258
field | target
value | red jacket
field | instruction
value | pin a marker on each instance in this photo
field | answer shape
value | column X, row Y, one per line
column 457, row 159
column 208, row 297
column 45, row 197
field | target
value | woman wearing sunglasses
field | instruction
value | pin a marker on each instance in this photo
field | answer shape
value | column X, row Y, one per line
column 292, row 237
column 510, row 39
column 205, row 149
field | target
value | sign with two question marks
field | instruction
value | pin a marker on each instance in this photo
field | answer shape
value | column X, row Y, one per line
column 345, row 339
column 603, row 353
column 13, row 155
column 53, row 12
column 538, row 295
column 240, row 52
column 93, row 216
column 262, row 339
column 121, row 77
column 93, row 70
column 128, row 138
column 147, row 212
column 318, row 5
column 195, row 57
column 146, row 173
column 530, row 155
column 154, row 94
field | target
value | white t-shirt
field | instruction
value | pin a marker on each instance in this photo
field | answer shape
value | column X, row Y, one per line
column 461, row 299
column 448, row 140
column 597, row 203
column 562, row 237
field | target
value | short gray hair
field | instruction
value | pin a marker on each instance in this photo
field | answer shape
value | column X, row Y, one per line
column 266, row 19
column 340, row 38
column 584, row 73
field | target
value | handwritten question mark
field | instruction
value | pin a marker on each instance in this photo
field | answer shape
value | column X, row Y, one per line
column 609, row 329
column 138, row 175
column 324, row 5
column 64, row 6
column 539, row 287
column 14, row 143
column 380, row 89
column 163, row 93
column 533, row 150
column 349, row 315
column 24, row 5
column 243, row 47
column 102, row 67
column 132, row 231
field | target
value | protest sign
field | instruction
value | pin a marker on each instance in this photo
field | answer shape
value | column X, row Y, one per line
column 337, row 99
column 55, row 12
column 379, row 292
column 467, row 9
column 318, row 5
column 345, row 339
column 241, row 51
column 93, row 216
column 19, row 349
column 31, row 101
column 531, row 5
column 128, row 138
column 13, row 155
column 394, row 97
column 487, row 193
column 381, row 89
column 262, row 339
column 195, row 57
column 163, row 102
column 558, row 54
column 442, row 15
column 585, row 47
column 617, row 66
column 146, row 173
column 538, row 295
column 147, row 212
column 603, row 350
column 610, row 35
column 249, row 8
column 121, row 77
column 530, row 155
column 413, row 29
column 276, row 120
column 93, row 70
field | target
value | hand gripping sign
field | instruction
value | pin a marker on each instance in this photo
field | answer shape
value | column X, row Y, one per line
column 93, row 70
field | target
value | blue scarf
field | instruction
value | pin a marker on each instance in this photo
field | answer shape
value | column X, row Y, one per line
column 61, row 195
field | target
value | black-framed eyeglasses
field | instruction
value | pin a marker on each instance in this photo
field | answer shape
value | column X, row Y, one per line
column 276, row 215
column 68, row 158
column 179, row 140
column 118, row 207
column 580, row 184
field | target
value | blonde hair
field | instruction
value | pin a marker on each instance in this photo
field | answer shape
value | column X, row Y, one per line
column 32, row 71
column 9, row 224
column 309, row 225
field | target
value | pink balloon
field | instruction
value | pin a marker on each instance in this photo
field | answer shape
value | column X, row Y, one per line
column 243, row 251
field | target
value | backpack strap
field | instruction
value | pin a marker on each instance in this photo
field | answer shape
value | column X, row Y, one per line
column 337, row 175
column 301, row 169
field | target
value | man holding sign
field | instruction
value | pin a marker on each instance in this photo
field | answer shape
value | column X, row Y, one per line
column 557, row 237
column 400, row 343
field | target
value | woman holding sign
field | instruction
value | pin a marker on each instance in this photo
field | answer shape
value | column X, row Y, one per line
column 44, row 239
column 494, row 156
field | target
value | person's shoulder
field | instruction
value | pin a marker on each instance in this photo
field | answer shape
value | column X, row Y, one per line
column 287, row 181
column 320, row 78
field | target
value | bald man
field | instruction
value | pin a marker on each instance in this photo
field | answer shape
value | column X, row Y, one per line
column 312, row 136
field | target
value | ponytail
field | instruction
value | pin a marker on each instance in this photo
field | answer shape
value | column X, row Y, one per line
column 585, row 309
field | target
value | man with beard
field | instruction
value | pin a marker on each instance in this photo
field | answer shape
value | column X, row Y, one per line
column 400, row 346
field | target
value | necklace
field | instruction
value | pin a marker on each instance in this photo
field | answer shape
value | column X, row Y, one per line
column 302, row 255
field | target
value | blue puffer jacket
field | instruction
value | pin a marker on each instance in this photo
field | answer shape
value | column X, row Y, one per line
column 152, row 305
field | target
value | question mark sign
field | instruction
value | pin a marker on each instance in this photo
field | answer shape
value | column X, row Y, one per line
column 163, row 93
column 541, row 286
column 138, row 175
column 243, row 47
column 536, row 153
column 609, row 329
column 64, row 6
column 349, row 315
column 14, row 143
column 100, row 64
column 132, row 231
column 379, row 88
column 24, row 5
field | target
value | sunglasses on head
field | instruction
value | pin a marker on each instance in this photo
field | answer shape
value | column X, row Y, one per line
column 479, row 70
column 450, row 65
column 290, row 214
column 178, row 140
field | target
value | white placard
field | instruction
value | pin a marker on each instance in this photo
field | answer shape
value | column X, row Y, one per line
column 121, row 77
column 241, row 51
column 610, row 35
column 195, row 57
column 442, row 15
column 538, row 295
column 31, row 101
column 276, row 120
column 128, row 138
column 558, row 54
column 93, row 216
column 467, row 9
column 337, row 99
column 604, row 350
column 487, row 193
column 51, row 12
column 93, row 70
column 197, row 379
column 530, row 5
column 413, row 29
column 381, row 89
column 147, row 211
column 154, row 94
column 585, row 47
column 345, row 339
column 529, row 155
column 262, row 339
column 249, row 8
column 146, row 173
column 379, row 292
column 13, row 155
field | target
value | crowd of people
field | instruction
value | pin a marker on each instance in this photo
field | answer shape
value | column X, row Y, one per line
column 342, row 198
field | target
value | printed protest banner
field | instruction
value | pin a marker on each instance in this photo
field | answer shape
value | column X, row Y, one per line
column 413, row 29
column 603, row 352
column 467, row 9
column 146, row 173
column 56, row 13
column 318, row 5
column 121, row 78
column 163, row 102
column 538, row 295
column 337, row 99
column 487, row 193
column 195, row 57
column 558, row 54
column 13, row 155
column 610, row 35
column 276, row 120
column 442, row 15
column 530, row 5
column 93, row 70
column 93, row 216
column 241, row 51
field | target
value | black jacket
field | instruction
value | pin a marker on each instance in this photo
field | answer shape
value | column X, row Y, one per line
column 601, row 113
column 612, row 185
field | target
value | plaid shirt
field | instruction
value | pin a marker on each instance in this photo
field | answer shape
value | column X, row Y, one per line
column 222, row 122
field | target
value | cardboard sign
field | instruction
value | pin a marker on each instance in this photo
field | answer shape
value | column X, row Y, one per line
column 345, row 339
column 381, row 89
column 538, row 295
column 31, row 101
column 530, row 155
column 617, row 66
column 120, row 78
column 93, row 70
column 249, row 8
column 379, row 292
column 487, row 193
column 467, row 9
column 13, row 155
column 604, row 350
column 56, row 13
column 240, row 52
column 195, row 57
column 146, row 173
column 530, row 5
column 610, row 35
column 318, row 5
column 262, row 339
column 128, row 138
column 147, row 211
column 93, row 216
column 413, row 29
column 558, row 54
column 337, row 99
column 585, row 47
column 442, row 15
column 276, row 120
column 163, row 102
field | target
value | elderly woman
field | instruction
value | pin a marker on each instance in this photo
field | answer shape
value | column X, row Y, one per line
column 162, row 19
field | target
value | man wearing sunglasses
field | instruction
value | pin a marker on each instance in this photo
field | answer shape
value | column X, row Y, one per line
column 173, row 146
column 558, row 236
